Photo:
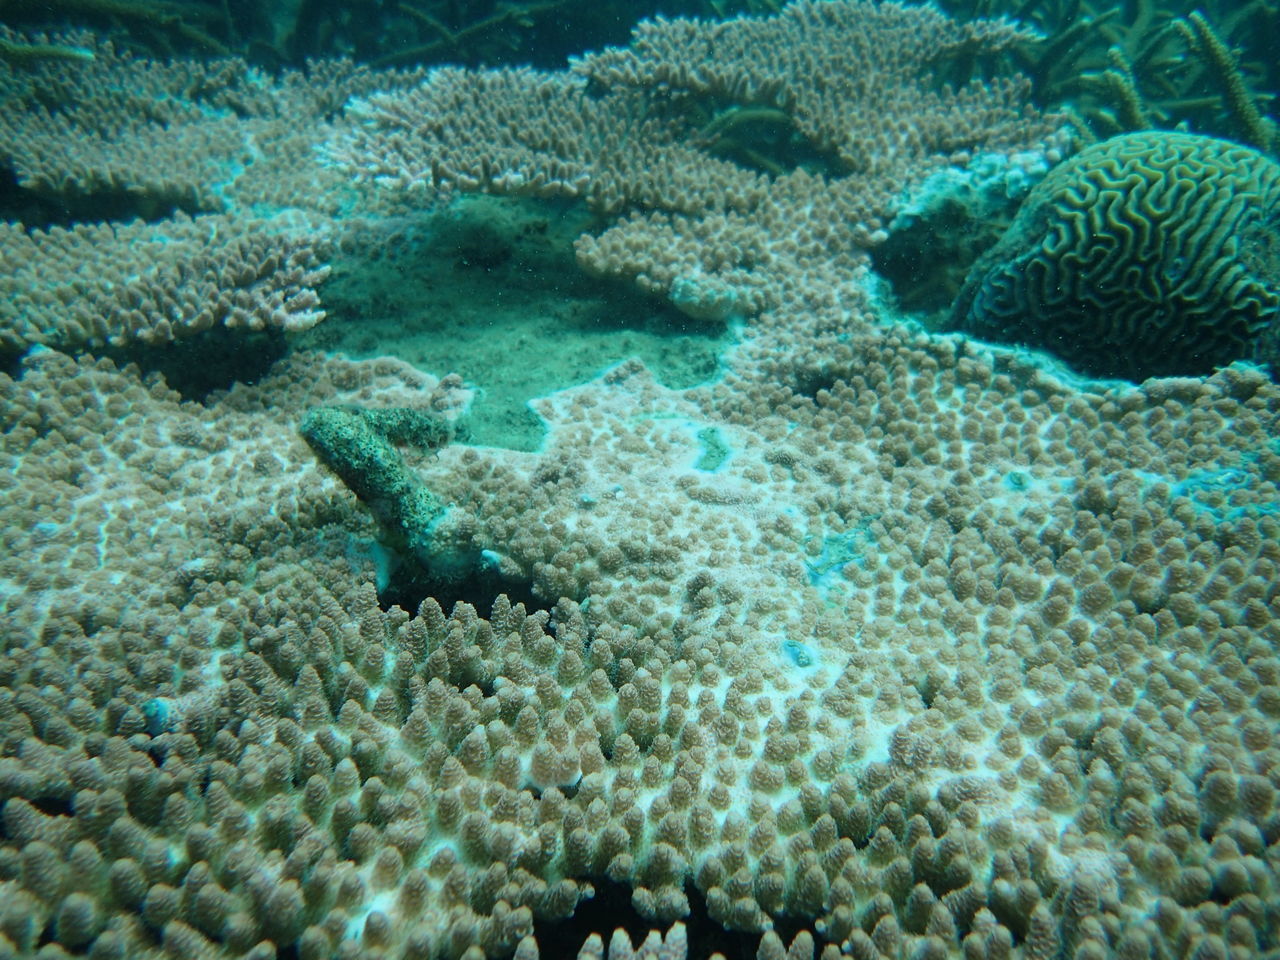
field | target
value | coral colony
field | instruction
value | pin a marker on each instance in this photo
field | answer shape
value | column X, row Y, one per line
column 888, row 639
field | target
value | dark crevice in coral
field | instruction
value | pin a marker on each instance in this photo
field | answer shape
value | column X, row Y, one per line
column 210, row 361
column 926, row 262
column 809, row 383
column 49, row 806
column 46, row 935
column 608, row 910
column 409, row 584
column 39, row 210
column 11, row 365
column 18, row 205
column 611, row 908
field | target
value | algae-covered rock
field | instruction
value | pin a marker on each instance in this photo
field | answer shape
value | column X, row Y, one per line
column 360, row 447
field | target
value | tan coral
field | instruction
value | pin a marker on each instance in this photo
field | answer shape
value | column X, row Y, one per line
column 109, row 284
column 940, row 654
column 630, row 137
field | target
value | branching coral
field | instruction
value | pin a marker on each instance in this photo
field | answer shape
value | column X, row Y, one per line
column 360, row 447
column 628, row 133
column 1127, row 67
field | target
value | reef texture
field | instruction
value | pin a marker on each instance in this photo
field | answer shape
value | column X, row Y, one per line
column 219, row 159
column 896, row 640
column 642, row 131
column 1149, row 254
column 941, row 655
column 100, row 284
column 212, row 136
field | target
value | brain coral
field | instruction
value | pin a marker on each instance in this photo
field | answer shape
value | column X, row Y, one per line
column 1149, row 254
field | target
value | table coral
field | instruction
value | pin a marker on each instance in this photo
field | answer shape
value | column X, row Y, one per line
column 1043, row 710
column 124, row 284
column 632, row 130
column 972, row 730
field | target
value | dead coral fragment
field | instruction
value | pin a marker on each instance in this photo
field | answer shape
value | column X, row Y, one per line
column 360, row 447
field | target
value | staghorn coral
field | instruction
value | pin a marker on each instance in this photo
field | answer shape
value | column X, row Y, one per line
column 1156, row 76
column 1222, row 66
column 161, row 25
column 1123, row 68
column 632, row 135
column 1148, row 254
column 19, row 53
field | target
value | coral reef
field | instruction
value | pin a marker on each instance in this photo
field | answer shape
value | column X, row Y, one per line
column 1145, row 255
column 625, row 133
column 878, row 643
column 289, row 34
column 947, row 221
column 1113, row 69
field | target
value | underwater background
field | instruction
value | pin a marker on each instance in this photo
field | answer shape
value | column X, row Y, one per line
column 645, row 480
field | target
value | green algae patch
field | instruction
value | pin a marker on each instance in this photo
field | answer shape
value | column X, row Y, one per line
column 489, row 289
column 715, row 450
